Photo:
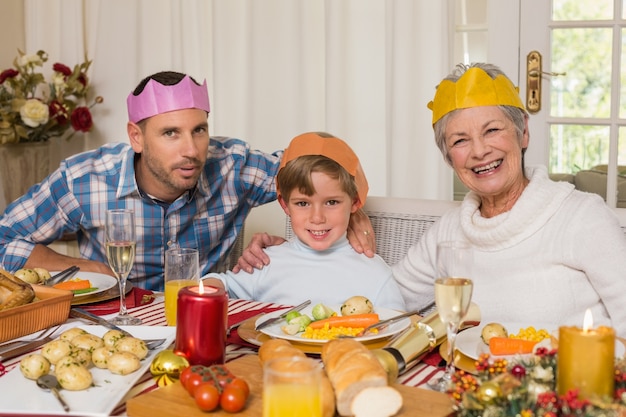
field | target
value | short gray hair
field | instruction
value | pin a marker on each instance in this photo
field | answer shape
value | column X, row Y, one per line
column 515, row 114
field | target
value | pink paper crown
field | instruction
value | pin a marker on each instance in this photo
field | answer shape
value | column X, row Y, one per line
column 157, row 98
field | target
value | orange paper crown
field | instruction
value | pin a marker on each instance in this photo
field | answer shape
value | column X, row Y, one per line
column 319, row 143
column 474, row 88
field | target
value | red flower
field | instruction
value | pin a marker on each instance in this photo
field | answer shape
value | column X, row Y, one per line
column 63, row 69
column 547, row 399
column 8, row 73
column 82, row 78
column 58, row 112
column 81, row 119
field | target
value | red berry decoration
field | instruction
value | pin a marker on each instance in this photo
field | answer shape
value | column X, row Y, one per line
column 518, row 371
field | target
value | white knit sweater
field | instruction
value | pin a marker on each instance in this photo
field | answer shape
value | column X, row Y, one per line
column 558, row 252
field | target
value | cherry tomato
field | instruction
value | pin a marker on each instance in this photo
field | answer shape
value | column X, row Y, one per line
column 207, row 396
column 193, row 382
column 233, row 399
column 241, row 384
column 184, row 376
column 221, row 374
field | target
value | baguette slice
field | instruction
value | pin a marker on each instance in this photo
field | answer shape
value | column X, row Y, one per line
column 376, row 402
column 351, row 368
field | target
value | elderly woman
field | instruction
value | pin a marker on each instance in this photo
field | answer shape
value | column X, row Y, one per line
column 544, row 252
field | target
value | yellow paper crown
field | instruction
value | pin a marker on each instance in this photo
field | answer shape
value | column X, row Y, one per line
column 474, row 88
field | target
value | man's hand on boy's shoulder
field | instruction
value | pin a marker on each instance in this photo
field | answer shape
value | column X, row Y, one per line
column 253, row 255
column 361, row 234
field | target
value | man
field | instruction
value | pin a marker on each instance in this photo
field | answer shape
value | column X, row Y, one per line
column 186, row 189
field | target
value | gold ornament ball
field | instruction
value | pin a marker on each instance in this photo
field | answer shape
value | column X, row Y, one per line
column 488, row 392
column 168, row 363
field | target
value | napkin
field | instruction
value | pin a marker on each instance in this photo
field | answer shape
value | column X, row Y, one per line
column 135, row 298
column 242, row 316
column 434, row 359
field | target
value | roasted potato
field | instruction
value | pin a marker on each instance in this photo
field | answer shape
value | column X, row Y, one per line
column 73, row 377
column 123, row 363
column 357, row 305
column 493, row 330
column 35, row 365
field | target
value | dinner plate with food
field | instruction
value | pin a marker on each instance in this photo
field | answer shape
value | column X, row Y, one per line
column 87, row 283
column 319, row 323
column 93, row 380
column 510, row 340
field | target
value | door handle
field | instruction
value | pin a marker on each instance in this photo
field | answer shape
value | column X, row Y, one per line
column 533, row 81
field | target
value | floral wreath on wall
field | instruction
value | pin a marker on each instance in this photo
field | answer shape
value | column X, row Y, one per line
column 34, row 110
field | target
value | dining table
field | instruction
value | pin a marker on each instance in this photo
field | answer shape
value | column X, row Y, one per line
column 240, row 354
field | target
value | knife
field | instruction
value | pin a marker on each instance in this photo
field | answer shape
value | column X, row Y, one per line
column 282, row 316
column 84, row 314
column 22, row 349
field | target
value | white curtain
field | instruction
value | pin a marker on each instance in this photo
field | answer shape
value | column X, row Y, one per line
column 361, row 69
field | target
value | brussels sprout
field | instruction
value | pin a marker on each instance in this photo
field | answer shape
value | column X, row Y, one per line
column 320, row 312
column 302, row 320
column 290, row 329
column 292, row 315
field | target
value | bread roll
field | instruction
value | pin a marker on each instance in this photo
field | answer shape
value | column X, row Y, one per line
column 351, row 368
column 279, row 348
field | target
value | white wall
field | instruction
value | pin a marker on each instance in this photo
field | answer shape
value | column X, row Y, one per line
column 11, row 31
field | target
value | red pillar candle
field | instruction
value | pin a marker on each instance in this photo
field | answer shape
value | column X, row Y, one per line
column 201, row 322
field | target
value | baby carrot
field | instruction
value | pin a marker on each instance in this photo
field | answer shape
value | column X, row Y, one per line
column 354, row 321
column 508, row 346
column 70, row 285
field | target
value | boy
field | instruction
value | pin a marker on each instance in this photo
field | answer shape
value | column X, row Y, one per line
column 320, row 183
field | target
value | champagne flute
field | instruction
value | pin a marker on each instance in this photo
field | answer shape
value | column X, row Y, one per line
column 120, row 243
column 453, row 293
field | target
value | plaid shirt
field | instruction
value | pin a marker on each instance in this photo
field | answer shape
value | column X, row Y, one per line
column 76, row 196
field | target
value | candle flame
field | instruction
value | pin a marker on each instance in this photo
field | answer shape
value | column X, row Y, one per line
column 200, row 287
column 587, row 321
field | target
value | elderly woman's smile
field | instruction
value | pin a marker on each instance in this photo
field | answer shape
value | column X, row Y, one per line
column 488, row 168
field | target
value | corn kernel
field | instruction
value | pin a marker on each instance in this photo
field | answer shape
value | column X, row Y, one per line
column 531, row 333
column 328, row 333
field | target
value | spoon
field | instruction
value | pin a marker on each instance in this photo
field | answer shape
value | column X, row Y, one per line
column 50, row 382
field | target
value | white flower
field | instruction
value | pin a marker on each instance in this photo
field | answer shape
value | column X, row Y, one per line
column 539, row 373
column 34, row 113
column 58, row 80
column 30, row 59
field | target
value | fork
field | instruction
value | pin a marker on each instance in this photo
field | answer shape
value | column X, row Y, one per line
column 45, row 336
column 19, row 347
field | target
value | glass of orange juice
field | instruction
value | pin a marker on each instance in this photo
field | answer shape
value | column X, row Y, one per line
column 182, row 269
column 292, row 387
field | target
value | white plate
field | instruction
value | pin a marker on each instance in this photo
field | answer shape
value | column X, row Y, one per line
column 383, row 313
column 470, row 344
column 102, row 282
column 21, row 396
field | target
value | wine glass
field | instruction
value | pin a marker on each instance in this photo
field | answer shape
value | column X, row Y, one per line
column 453, row 293
column 120, row 243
